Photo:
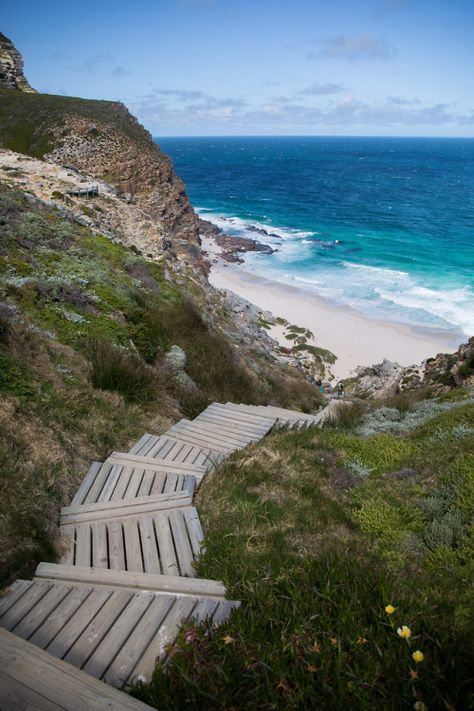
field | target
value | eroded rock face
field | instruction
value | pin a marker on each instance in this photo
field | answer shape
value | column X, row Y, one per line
column 11, row 67
column 445, row 371
column 137, row 168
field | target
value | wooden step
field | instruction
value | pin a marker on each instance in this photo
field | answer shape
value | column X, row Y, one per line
column 33, row 680
column 114, row 635
column 161, row 543
column 213, row 423
column 176, row 450
column 199, row 438
column 234, row 419
column 118, row 509
column 232, row 439
column 122, row 480
column 280, row 412
column 234, row 413
column 176, row 585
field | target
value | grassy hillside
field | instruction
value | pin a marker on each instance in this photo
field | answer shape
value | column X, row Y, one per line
column 85, row 325
column 26, row 119
column 318, row 533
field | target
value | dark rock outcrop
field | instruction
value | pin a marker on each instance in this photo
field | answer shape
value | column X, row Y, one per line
column 11, row 67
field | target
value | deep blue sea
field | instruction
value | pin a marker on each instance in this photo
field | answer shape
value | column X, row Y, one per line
column 385, row 225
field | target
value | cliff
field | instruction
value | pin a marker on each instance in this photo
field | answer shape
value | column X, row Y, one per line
column 11, row 67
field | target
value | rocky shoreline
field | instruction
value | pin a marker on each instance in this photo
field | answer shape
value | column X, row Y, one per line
column 232, row 246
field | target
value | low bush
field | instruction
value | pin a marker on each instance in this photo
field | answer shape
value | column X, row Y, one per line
column 123, row 372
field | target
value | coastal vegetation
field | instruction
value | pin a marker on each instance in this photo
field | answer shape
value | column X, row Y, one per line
column 85, row 325
column 352, row 552
column 27, row 119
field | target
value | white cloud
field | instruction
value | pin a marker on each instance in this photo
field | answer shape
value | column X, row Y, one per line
column 364, row 46
column 317, row 89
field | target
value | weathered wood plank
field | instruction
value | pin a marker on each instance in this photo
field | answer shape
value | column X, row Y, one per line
column 100, row 555
column 201, row 440
column 121, row 669
column 33, row 680
column 204, row 609
column 122, row 484
column 213, row 432
column 157, row 464
column 141, row 443
column 236, row 439
column 195, row 532
column 41, row 611
column 169, row 565
column 132, row 546
column 183, row 548
column 97, row 629
column 73, row 575
column 11, row 595
column 181, row 610
column 116, row 636
column 99, row 481
column 223, row 611
column 132, row 507
column 86, row 484
column 240, row 421
column 52, row 626
column 78, row 622
column 23, row 605
column 116, row 548
column 110, row 483
column 151, row 558
column 83, row 545
column 146, row 483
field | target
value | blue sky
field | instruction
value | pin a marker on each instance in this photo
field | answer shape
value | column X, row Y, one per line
column 263, row 67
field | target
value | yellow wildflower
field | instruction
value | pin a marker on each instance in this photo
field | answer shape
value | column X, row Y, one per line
column 404, row 632
column 227, row 639
column 390, row 609
column 418, row 656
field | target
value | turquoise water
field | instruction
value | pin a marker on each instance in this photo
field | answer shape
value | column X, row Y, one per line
column 385, row 225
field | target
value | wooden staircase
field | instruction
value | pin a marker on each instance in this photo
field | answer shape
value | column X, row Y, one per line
column 127, row 580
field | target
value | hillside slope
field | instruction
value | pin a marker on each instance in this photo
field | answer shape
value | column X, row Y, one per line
column 87, row 330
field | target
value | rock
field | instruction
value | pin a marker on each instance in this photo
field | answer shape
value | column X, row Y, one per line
column 175, row 360
column 446, row 371
column 11, row 67
column 380, row 381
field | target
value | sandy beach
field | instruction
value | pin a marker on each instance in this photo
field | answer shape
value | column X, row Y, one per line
column 354, row 338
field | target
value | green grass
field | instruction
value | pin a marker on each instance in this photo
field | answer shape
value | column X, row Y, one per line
column 27, row 120
column 319, row 353
column 315, row 554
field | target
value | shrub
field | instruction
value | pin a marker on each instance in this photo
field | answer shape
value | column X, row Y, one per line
column 126, row 373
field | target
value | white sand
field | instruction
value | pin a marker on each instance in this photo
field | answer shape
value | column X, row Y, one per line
column 354, row 338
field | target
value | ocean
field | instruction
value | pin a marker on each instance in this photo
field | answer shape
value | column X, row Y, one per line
column 385, row 225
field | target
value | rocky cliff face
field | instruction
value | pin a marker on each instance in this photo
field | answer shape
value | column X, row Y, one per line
column 103, row 140
column 11, row 67
column 122, row 152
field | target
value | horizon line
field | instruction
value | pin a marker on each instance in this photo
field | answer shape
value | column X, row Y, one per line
column 308, row 135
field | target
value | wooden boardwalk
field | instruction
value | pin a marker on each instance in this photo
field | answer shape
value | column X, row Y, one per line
column 127, row 580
